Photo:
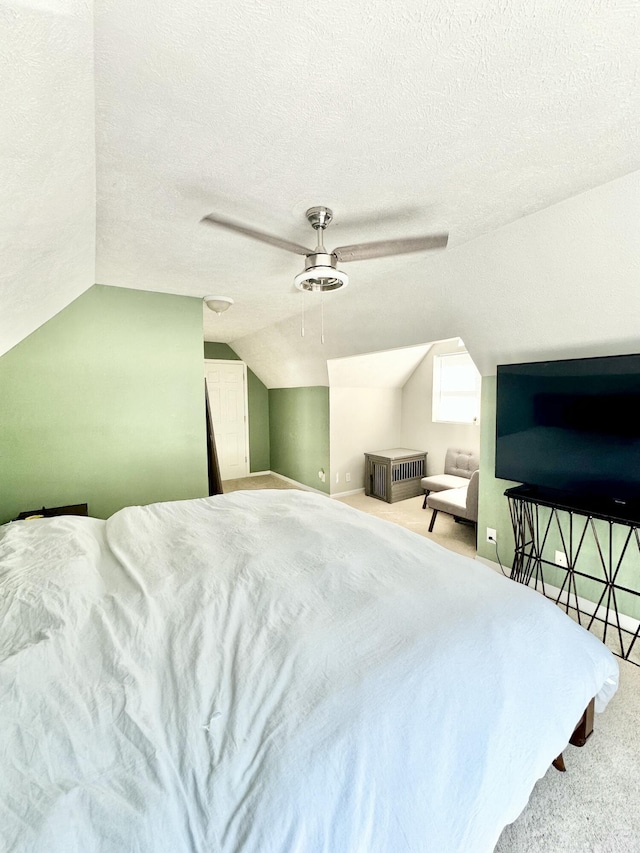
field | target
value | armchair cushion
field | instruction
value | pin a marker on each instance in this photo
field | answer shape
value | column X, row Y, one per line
column 440, row 482
column 459, row 465
column 453, row 501
column 462, row 503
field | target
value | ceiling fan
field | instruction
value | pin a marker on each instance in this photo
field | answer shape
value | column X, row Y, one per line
column 321, row 271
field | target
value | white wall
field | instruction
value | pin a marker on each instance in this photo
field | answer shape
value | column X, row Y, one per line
column 418, row 430
column 47, row 162
column 362, row 420
column 365, row 419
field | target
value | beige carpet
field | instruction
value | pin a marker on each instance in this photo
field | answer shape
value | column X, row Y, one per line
column 595, row 806
column 260, row 481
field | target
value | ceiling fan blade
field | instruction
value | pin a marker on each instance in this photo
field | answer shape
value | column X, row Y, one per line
column 364, row 251
column 287, row 245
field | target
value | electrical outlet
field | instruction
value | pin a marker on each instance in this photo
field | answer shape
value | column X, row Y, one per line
column 492, row 536
column 337, row 477
column 321, row 475
column 347, row 477
column 560, row 559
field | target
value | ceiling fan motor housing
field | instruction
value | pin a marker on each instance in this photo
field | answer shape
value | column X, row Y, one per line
column 320, row 259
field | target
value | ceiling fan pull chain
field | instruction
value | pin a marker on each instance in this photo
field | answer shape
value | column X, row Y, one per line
column 321, row 317
column 302, row 329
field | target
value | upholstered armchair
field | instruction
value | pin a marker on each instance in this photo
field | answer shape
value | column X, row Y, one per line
column 462, row 503
column 459, row 465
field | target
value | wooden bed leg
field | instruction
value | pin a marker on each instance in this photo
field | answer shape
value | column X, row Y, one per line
column 584, row 729
column 558, row 763
column 580, row 735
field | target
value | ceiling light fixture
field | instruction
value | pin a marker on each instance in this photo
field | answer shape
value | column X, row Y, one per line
column 219, row 304
column 320, row 274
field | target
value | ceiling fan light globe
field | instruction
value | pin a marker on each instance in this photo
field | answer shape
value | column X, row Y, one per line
column 321, row 279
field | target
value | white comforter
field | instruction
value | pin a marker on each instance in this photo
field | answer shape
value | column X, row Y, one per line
column 270, row 672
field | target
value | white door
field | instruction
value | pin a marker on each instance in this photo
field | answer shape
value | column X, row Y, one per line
column 227, row 390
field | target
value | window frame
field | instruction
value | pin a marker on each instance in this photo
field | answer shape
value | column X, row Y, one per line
column 440, row 413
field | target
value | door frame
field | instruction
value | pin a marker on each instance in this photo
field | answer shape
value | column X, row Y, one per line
column 237, row 361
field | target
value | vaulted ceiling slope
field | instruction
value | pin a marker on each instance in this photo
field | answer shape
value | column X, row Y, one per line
column 510, row 125
column 47, row 161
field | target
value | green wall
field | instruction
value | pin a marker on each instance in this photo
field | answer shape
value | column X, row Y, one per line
column 299, row 434
column 104, row 404
column 288, row 427
column 213, row 349
column 259, row 440
column 258, row 402
column 493, row 511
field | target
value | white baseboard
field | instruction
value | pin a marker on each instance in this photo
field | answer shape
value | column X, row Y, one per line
column 345, row 494
column 299, row 485
column 627, row 623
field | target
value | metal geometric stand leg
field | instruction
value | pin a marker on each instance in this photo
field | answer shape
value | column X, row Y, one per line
column 598, row 548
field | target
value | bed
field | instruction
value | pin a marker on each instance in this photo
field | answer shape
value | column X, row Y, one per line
column 273, row 671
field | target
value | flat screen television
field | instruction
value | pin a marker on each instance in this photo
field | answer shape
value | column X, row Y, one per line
column 571, row 427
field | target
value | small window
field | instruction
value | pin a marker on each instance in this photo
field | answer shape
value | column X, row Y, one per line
column 456, row 389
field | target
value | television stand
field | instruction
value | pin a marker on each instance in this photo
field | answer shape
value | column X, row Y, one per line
column 601, row 552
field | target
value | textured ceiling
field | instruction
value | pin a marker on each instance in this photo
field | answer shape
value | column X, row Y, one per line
column 47, row 161
column 405, row 118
